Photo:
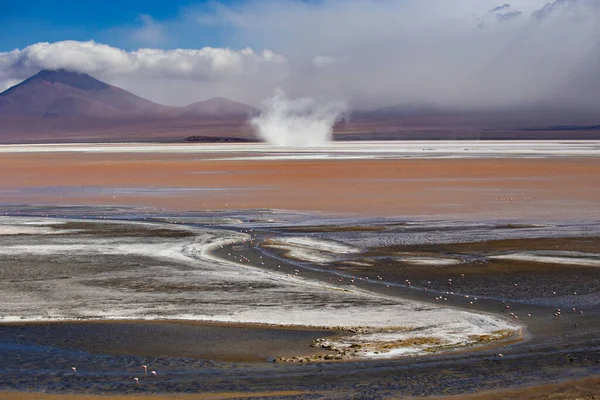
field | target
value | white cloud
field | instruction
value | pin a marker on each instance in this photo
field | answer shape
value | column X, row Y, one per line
column 575, row 9
column 150, row 33
column 8, row 83
column 140, row 67
column 94, row 58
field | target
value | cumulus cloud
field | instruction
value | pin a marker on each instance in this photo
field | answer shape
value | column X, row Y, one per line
column 94, row 58
column 141, row 66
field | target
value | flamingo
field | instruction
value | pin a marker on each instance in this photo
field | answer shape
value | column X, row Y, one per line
column 145, row 369
column 74, row 370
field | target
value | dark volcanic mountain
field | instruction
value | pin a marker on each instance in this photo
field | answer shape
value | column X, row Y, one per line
column 62, row 105
column 51, row 94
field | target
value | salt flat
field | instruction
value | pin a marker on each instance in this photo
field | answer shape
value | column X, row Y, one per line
column 337, row 150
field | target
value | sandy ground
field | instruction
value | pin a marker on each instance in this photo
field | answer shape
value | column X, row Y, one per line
column 585, row 389
column 548, row 188
column 199, row 396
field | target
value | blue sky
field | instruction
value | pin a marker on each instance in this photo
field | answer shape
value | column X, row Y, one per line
column 32, row 21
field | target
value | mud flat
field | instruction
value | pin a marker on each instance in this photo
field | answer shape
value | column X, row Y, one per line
column 304, row 290
column 146, row 271
column 574, row 390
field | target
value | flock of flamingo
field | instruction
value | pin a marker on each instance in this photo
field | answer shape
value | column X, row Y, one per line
column 136, row 380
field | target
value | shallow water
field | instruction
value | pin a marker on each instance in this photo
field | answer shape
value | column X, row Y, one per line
column 161, row 339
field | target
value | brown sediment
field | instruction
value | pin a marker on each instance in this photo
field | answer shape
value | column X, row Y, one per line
column 580, row 244
column 553, row 188
column 352, row 348
column 197, row 396
column 584, row 389
column 500, row 334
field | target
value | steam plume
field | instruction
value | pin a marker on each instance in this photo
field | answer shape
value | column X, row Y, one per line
column 297, row 122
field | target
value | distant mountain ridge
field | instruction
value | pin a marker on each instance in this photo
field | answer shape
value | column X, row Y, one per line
column 63, row 104
column 218, row 107
column 50, row 94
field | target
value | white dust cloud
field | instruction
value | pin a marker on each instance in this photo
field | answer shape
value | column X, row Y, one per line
column 297, row 122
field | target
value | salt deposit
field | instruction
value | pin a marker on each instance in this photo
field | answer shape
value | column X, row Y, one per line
column 349, row 150
column 310, row 249
column 554, row 257
column 179, row 278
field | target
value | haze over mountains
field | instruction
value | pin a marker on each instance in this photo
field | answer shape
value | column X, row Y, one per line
column 69, row 106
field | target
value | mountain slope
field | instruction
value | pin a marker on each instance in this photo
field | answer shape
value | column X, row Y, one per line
column 52, row 94
column 69, row 106
column 218, row 107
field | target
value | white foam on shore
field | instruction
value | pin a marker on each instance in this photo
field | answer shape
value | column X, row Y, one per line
column 42, row 222
column 364, row 263
column 31, row 230
column 311, row 249
column 430, row 261
column 30, row 226
column 184, row 280
column 37, row 221
column 554, row 257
